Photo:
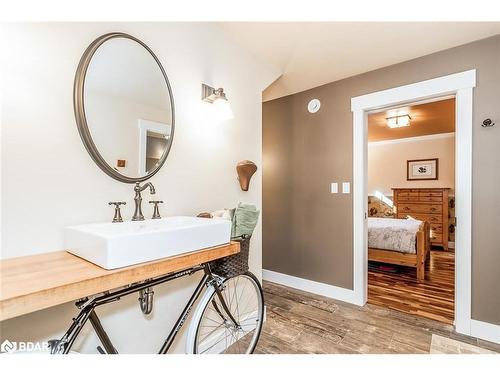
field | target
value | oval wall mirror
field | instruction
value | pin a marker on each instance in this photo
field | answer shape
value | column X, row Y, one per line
column 124, row 107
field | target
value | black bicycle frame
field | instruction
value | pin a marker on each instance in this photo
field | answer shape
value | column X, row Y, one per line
column 88, row 306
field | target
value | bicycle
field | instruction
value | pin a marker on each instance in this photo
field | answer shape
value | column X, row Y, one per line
column 228, row 318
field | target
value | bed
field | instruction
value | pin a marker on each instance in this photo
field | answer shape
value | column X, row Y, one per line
column 399, row 241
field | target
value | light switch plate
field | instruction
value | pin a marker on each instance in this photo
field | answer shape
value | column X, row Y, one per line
column 334, row 188
column 346, row 187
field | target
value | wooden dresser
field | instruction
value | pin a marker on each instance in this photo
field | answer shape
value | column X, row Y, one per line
column 429, row 205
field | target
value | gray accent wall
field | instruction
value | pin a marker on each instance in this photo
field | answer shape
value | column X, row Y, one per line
column 307, row 232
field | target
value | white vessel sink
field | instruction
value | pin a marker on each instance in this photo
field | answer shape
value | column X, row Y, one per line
column 114, row 245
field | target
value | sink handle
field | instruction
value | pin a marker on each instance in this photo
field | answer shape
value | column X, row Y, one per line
column 156, row 210
column 118, row 216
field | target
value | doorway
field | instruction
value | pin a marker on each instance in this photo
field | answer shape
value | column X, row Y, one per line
column 461, row 86
column 411, row 214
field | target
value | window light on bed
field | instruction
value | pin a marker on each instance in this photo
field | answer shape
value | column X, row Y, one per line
column 384, row 199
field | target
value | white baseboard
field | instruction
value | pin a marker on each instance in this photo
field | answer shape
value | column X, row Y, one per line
column 485, row 331
column 330, row 291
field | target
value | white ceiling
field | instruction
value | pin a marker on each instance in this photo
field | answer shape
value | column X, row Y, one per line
column 310, row 54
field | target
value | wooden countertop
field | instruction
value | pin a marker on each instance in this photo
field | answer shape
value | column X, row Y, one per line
column 36, row 282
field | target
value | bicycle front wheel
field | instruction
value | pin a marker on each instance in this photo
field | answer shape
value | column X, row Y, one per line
column 213, row 330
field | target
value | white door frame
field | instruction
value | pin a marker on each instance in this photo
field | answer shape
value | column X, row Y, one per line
column 461, row 85
column 145, row 126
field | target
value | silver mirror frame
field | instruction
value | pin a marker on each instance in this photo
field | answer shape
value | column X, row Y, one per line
column 81, row 120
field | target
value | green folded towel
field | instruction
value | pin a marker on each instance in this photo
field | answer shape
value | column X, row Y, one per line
column 245, row 219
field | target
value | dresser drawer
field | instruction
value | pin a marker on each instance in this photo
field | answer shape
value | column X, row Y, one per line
column 430, row 199
column 406, row 198
column 436, row 238
column 431, row 219
column 407, row 193
column 419, row 208
column 431, row 194
column 436, row 228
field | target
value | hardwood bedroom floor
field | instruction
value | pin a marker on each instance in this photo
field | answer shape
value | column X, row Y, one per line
column 432, row 298
column 301, row 322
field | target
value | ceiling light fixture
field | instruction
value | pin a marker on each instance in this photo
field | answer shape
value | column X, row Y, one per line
column 218, row 98
column 398, row 121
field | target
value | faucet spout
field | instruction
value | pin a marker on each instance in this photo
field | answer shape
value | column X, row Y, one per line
column 139, row 188
column 138, row 216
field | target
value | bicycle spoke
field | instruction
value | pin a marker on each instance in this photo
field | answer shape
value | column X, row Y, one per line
column 217, row 312
column 243, row 291
column 238, row 343
column 235, row 285
column 209, row 333
column 216, row 332
column 234, row 348
column 206, row 317
column 247, row 314
column 248, row 304
column 222, row 312
column 225, row 337
column 230, row 343
column 252, row 322
column 209, row 325
column 235, row 339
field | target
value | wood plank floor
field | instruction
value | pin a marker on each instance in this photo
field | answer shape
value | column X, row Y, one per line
column 432, row 298
column 300, row 322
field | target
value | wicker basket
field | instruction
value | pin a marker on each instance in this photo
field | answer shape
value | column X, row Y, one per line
column 236, row 264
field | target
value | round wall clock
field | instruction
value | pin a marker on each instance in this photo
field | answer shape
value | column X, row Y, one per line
column 314, row 106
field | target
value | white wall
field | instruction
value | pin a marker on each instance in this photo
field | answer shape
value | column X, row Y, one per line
column 49, row 181
column 387, row 162
column 115, row 127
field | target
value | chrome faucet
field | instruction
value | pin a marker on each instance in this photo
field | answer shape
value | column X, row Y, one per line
column 138, row 199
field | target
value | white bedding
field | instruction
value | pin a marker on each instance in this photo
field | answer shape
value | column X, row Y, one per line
column 393, row 234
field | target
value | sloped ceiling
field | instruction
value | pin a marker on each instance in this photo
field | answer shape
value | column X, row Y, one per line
column 310, row 54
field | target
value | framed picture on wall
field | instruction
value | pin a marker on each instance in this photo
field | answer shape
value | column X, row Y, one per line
column 422, row 169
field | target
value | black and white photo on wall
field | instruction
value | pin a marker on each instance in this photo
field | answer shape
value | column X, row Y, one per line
column 422, row 169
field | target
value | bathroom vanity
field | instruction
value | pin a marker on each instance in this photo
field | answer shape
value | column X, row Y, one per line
column 36, row 282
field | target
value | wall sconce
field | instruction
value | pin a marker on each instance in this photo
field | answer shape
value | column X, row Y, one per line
column 218, row 98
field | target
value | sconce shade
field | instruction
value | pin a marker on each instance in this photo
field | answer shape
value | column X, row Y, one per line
column 245, row 170
column 222, row 109
column 218, row 98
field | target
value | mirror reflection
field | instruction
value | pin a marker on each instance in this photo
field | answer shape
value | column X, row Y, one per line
column 128, row 107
